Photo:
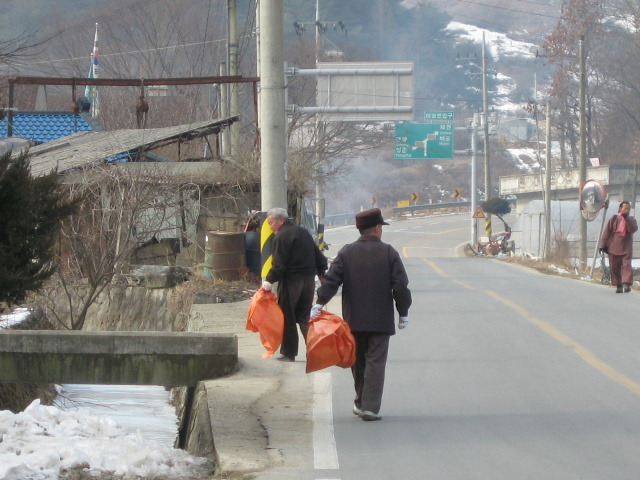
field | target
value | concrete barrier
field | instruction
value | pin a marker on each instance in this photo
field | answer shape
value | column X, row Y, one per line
column 122, row 358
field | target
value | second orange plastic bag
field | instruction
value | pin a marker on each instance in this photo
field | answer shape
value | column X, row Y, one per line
column 329, row 342
column 265, row 316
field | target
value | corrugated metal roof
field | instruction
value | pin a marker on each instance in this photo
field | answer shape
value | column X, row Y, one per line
column 85, row 148
column 41, row 127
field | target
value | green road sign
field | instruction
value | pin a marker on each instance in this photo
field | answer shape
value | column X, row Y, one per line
column 437, row 117
column 424, row 141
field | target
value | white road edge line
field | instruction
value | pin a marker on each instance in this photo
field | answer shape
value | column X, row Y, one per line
column 325, row 453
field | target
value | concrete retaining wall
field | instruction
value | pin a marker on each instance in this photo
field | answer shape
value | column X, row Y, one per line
column 124, row 308
column 116, row 358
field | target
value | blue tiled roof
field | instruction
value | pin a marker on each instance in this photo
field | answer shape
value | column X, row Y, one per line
column 43, row 127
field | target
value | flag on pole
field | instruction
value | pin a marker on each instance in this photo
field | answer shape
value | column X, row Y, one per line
column 91, row 91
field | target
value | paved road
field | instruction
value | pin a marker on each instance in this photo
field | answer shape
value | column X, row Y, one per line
column 503, row 373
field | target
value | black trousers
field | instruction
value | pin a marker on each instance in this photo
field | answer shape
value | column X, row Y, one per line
column 368, row 371
column 295, row 296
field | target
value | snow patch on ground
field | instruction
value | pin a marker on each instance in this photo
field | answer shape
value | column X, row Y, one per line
column 16, row 317
column 42, row 442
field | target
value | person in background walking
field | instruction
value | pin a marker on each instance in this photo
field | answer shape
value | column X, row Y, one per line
column 373, row 277
column 617, row 242
column 296, row 262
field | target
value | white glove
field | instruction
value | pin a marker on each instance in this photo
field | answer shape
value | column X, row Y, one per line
column 316, row 310
column 266, row 286
column 403, row 322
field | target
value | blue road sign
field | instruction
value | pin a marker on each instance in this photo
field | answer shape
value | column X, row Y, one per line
column 424, row 141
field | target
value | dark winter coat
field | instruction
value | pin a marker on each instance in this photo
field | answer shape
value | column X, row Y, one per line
column 616, row 244
column 372, row 277
column 295, row 253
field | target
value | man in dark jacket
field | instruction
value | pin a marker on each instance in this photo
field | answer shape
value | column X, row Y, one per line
column 372, row 277
column 617, row 242
column 296, row 262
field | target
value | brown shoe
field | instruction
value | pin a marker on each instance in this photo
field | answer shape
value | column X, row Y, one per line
column 619, row 289
column 627, row 288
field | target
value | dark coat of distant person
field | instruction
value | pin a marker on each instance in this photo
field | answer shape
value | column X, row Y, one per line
column 373, row 278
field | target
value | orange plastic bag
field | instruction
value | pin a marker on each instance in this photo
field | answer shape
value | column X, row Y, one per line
column 265, row 316
column 329, row 342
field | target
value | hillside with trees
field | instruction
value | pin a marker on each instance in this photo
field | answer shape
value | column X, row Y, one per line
column 187, row 38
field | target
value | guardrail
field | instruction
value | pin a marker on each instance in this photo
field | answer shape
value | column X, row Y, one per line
column 340, row 219
column 349, row 218
column 430, row 206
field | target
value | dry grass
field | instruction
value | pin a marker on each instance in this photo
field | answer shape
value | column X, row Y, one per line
column 551, row 267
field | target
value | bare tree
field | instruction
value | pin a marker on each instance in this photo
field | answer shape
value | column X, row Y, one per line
column 580, row 18
column 120, row 212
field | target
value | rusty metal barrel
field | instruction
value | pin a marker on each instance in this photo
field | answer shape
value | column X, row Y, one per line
column 224, row 256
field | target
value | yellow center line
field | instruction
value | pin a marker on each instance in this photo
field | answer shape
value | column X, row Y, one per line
column 411, row 244
column 586, row 355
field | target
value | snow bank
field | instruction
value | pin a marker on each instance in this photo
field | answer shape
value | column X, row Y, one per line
column 42, row 442
column 19, row 315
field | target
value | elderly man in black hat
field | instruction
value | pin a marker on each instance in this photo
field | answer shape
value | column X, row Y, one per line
column 373, row 277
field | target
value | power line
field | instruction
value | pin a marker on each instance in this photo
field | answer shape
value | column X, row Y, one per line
column 481, row 20
column 557, row 17
column 103, row 55
column 540, row 4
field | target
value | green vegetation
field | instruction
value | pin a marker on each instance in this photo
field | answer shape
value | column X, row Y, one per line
column 31, row 214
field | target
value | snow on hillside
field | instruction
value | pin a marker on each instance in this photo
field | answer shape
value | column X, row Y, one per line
column 499, row 47
column 498, row 44
column 525, row 159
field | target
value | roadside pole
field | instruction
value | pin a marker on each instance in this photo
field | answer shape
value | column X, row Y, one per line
column 474, row 183
column 224, row 113
column 485, row 121
column 582, row 246
column 232, row 46
column 547, row 185
column 273, row 150
column 320, row 130
column 595, row 254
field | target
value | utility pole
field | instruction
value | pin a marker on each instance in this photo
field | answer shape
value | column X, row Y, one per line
column 484, row 122
column 474, row 180
column 225, row 146
column 320, row 124
column 232, row 44
column 320, row 129
column 273, row 126
column 582, row 247
column 547, row 186
column 259, row 115
column 634, row 191
column 485, row 118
